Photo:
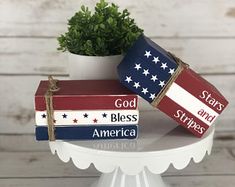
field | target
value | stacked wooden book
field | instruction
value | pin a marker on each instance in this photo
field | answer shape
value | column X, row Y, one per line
column 88, row 109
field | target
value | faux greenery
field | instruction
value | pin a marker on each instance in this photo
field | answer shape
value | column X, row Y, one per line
column 105, row 32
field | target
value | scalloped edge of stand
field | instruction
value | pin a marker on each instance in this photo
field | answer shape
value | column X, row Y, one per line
column 133, row 163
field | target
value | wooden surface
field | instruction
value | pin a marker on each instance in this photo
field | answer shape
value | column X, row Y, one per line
column 201, row 32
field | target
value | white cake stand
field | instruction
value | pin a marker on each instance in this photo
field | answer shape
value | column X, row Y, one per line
column 138, row 163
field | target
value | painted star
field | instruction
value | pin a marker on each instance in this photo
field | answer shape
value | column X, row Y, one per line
column 164, row 66
column 136, row 85
column 95, row 120
column 147, row 54
column 85, row 115
column 154, row 78
column 144, row 90
column 44, row 115
column 171, row 71
column 128, row 79
column 75, row 120
column 64, row 115
column 156, row 60
column 104, row 115
column 146, row 72
column 152, row 96
column 137, row 66
column 162, row 83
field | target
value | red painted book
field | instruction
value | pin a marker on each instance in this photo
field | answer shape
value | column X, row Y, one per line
column 87, row 95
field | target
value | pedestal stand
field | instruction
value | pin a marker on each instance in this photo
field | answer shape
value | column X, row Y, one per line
column 138, row 163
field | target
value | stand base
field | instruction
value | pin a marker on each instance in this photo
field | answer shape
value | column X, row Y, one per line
column 118, row 179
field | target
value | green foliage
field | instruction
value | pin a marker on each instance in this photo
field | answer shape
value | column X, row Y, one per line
column 105, row 32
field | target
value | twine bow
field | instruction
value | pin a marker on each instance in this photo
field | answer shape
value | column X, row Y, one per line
column 180, row 68
column 52, row 87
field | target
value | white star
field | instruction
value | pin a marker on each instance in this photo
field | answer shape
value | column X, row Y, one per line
column 162, row 83
column 144, row 90
column 156, row 60
column 128, row 79
column 137, row 66
column 154, row 78
column 147, row 54
column 152, row 96
column 164, row 66
column 146, row 72
column 171, row 71
column 136, row 85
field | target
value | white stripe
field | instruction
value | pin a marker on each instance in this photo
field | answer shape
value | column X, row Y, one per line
column 190, row 102
column 92, row 114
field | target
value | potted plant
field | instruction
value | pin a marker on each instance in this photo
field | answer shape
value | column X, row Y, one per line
column 97, row 41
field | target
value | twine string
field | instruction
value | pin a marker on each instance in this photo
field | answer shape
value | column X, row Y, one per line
column 52, row 87
column 181, row 66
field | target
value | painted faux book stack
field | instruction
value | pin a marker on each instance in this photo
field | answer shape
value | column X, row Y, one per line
column 88, row 109
column 170, row 85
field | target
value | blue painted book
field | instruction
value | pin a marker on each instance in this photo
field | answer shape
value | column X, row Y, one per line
column 96, row 132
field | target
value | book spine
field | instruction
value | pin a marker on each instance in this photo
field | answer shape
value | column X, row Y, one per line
column 89, row 117
column 89, row 102
column 194, row 102
column 89, row 132
column 202, row 90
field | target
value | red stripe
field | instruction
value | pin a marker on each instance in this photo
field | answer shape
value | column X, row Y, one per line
column 182, row 116
column 87, row 102
column 197, row 86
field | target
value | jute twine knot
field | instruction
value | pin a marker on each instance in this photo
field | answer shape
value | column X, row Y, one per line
column 52, row 87
column 179, row 69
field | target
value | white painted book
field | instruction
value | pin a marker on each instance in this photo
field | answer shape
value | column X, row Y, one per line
column 89, row 117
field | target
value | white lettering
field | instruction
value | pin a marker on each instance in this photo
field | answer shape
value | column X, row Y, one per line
column 189, row 122
column 211, row 100
column 95, row 133
column 119, row 103
column 114, row 133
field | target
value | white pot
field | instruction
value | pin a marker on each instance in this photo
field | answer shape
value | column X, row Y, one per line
column 93, row 67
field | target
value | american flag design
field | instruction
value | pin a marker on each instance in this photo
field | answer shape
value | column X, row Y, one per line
column 89, row 117
column 148, row 74
column 191, row 100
